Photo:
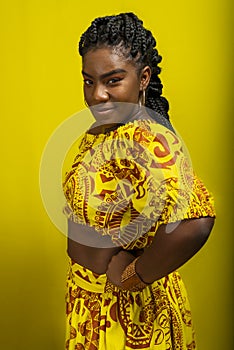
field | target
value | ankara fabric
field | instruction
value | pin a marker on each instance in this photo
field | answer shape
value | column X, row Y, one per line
column 125, row 184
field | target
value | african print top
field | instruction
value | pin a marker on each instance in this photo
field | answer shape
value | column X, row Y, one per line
column 127, row 182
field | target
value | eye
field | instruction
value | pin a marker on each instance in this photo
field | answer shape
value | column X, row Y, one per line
column 113, row 81
column 88, row 82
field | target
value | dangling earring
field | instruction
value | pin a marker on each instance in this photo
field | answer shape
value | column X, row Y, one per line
column 142, row 98
column 86, row 104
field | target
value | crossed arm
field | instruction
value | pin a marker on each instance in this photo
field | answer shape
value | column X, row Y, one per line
column 167, row 252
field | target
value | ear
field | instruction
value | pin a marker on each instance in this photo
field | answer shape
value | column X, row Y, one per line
column 145, row 77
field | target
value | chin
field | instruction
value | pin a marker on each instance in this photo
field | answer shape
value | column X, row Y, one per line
column 108, row 118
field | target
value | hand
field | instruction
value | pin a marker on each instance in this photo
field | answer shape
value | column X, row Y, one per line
column 117, row 265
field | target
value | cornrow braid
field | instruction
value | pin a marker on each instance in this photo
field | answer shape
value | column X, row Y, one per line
column 136, row 43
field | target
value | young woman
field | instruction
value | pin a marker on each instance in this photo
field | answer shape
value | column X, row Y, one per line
column 136, row 211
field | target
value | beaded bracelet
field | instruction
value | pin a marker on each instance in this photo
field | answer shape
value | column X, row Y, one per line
column 130, row 279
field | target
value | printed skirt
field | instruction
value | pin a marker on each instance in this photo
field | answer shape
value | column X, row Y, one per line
column 101, row 316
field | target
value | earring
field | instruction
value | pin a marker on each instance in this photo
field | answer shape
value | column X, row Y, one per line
column 142, row 98
column 86, row 104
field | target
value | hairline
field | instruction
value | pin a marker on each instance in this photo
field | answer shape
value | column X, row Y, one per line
column 118, row 50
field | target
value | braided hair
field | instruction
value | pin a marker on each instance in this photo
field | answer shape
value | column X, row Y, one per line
column 126, row 33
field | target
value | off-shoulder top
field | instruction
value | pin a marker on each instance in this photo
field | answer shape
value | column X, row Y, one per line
column 127, row 182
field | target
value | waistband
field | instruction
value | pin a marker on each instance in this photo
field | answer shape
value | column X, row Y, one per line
column 85, row 278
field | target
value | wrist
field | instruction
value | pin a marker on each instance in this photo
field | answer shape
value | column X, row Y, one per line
column 130, row 279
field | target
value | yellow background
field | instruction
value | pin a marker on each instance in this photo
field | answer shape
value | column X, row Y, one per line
column 41, row 86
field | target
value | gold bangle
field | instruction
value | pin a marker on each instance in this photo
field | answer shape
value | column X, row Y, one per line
column 130, row 279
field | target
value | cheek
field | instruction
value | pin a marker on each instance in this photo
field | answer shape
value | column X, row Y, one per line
column 134, row 89
column 133, row 94
column 130, row 93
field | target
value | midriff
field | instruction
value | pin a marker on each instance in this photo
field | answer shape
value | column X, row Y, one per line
column 88, row 248
column 94, row 259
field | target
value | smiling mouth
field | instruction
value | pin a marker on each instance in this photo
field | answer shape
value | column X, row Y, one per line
column 102, row 109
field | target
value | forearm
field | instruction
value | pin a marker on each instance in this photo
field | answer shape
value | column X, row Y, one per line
column 169, row 251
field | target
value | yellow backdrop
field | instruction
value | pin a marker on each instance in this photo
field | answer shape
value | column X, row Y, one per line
column 41, row 86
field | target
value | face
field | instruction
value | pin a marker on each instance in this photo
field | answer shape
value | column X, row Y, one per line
column 112, row 85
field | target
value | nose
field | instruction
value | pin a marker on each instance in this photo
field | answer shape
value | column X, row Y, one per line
column 100, row 94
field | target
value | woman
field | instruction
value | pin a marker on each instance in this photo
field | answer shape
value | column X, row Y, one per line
column 136, row 212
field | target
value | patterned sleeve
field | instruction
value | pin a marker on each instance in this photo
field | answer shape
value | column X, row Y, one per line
column 175, row 192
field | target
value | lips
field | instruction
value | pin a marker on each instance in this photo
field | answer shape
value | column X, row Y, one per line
column 102, row 109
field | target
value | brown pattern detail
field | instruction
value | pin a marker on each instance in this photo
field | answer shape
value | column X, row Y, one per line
column 162, row 150
column 72, row 333
column 79, row 346
column 160, row 317
column 124, row 164
column 139, row 334
column 79, row 185
column 181, row 299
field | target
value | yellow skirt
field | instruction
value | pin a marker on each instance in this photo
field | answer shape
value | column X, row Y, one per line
column 101, row 316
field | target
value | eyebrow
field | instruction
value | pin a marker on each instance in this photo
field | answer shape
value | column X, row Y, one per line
column 106, row 75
